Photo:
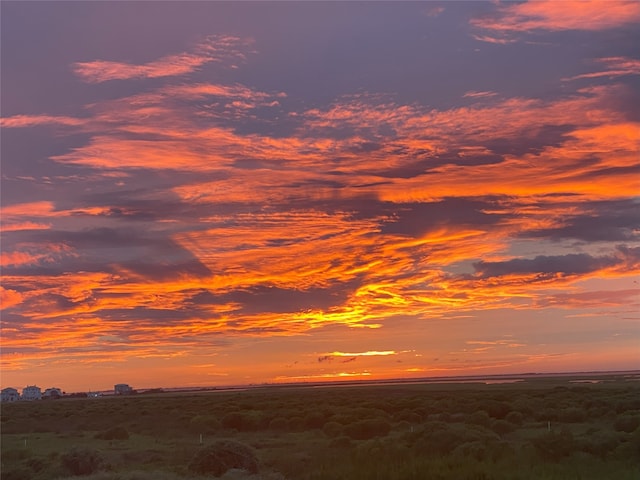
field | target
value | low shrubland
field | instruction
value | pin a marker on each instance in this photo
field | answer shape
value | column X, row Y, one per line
column 538, row 429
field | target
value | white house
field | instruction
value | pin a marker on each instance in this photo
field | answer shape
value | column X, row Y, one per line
column 10, row 395
column 52, row 393
column 31, row 392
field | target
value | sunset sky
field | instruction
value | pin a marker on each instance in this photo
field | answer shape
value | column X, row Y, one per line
column 201, row 194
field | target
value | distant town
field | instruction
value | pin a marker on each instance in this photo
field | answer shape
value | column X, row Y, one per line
column 33, row 392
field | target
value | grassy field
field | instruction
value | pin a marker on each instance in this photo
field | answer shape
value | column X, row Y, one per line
column 541, row 428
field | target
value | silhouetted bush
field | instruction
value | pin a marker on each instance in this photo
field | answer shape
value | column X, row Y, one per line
column 626, row 423
column 243, row 421
column 332, row 429
column 369, row 428
column 600, row 443
column 342, row 442
column 439, row 438
column 115, row 433
column 502, row 427
column 495, row 408
column 204, row 424
column 296, row 424
column 554, row 445
column 480, row 418
column 279, row 424
column 516, row 418
column 82, row 461
column 19, row 473
column 408, row 415
column 572, row 415
column 224, row 455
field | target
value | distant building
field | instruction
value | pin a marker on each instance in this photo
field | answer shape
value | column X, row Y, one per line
column 10, row 395
column 31, row 392
column 122, row 389
column 52, row 393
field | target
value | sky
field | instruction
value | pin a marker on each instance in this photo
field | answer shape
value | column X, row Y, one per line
column 209, row 193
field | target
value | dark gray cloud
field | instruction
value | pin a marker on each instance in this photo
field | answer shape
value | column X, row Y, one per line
column 531, row 142
column 602, row 221
column 263, row 298
column 154, row 256
column 417, row 219
column 570, row 264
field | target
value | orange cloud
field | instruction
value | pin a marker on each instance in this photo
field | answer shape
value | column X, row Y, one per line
column 212, row 49
column 22, row 121
column 9, row 298
column 614, row 67
column 565, row 15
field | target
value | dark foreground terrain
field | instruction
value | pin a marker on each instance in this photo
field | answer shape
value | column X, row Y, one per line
column 540, row 428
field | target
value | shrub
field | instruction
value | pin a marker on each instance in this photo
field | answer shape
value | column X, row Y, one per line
column 502, row 427
column 332, row 429
column 224, row 455
column 554, row 445
column 495, row 409
column 279, row 424
column 296, row 424
column 243, row 421
column 19, row 473
column 342, row 442
column 314, row 420
column 408, row 415
column 115, row 433
column 600, row 443
column 515, row 418
column 572, row 415
column 204, row 424
column 480, row 418
column 626, row 423
column 82, row 461
column 366, row 429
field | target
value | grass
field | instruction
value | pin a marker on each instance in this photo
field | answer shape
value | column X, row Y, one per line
column 394, row 432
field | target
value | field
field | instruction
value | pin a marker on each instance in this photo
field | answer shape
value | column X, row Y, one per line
column 539, row 428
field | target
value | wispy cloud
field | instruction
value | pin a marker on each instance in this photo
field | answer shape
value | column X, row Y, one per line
column 552, row 15
column 217, row 48
column 614, row 67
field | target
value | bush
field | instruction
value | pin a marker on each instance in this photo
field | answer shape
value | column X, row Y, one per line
column 82, row 461
column 279, row 424
column 554, row 445
column 480, row 418
column 332, row 429
column 115, row 433
column 19, row 473
column 600, row 443
column 340, row 442
column 314, row 420
column 502, row 427
column 626, row 423
column 366, row 429
column 408, row 415
column 515, row 418
column 243, row 421
column 224, row 455
column 572, row 415
column 204, row 424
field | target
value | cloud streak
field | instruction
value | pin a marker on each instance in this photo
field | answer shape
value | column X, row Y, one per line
column 549, row 15
column 218, row 48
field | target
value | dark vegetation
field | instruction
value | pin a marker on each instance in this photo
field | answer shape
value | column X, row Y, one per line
column 543, row 428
